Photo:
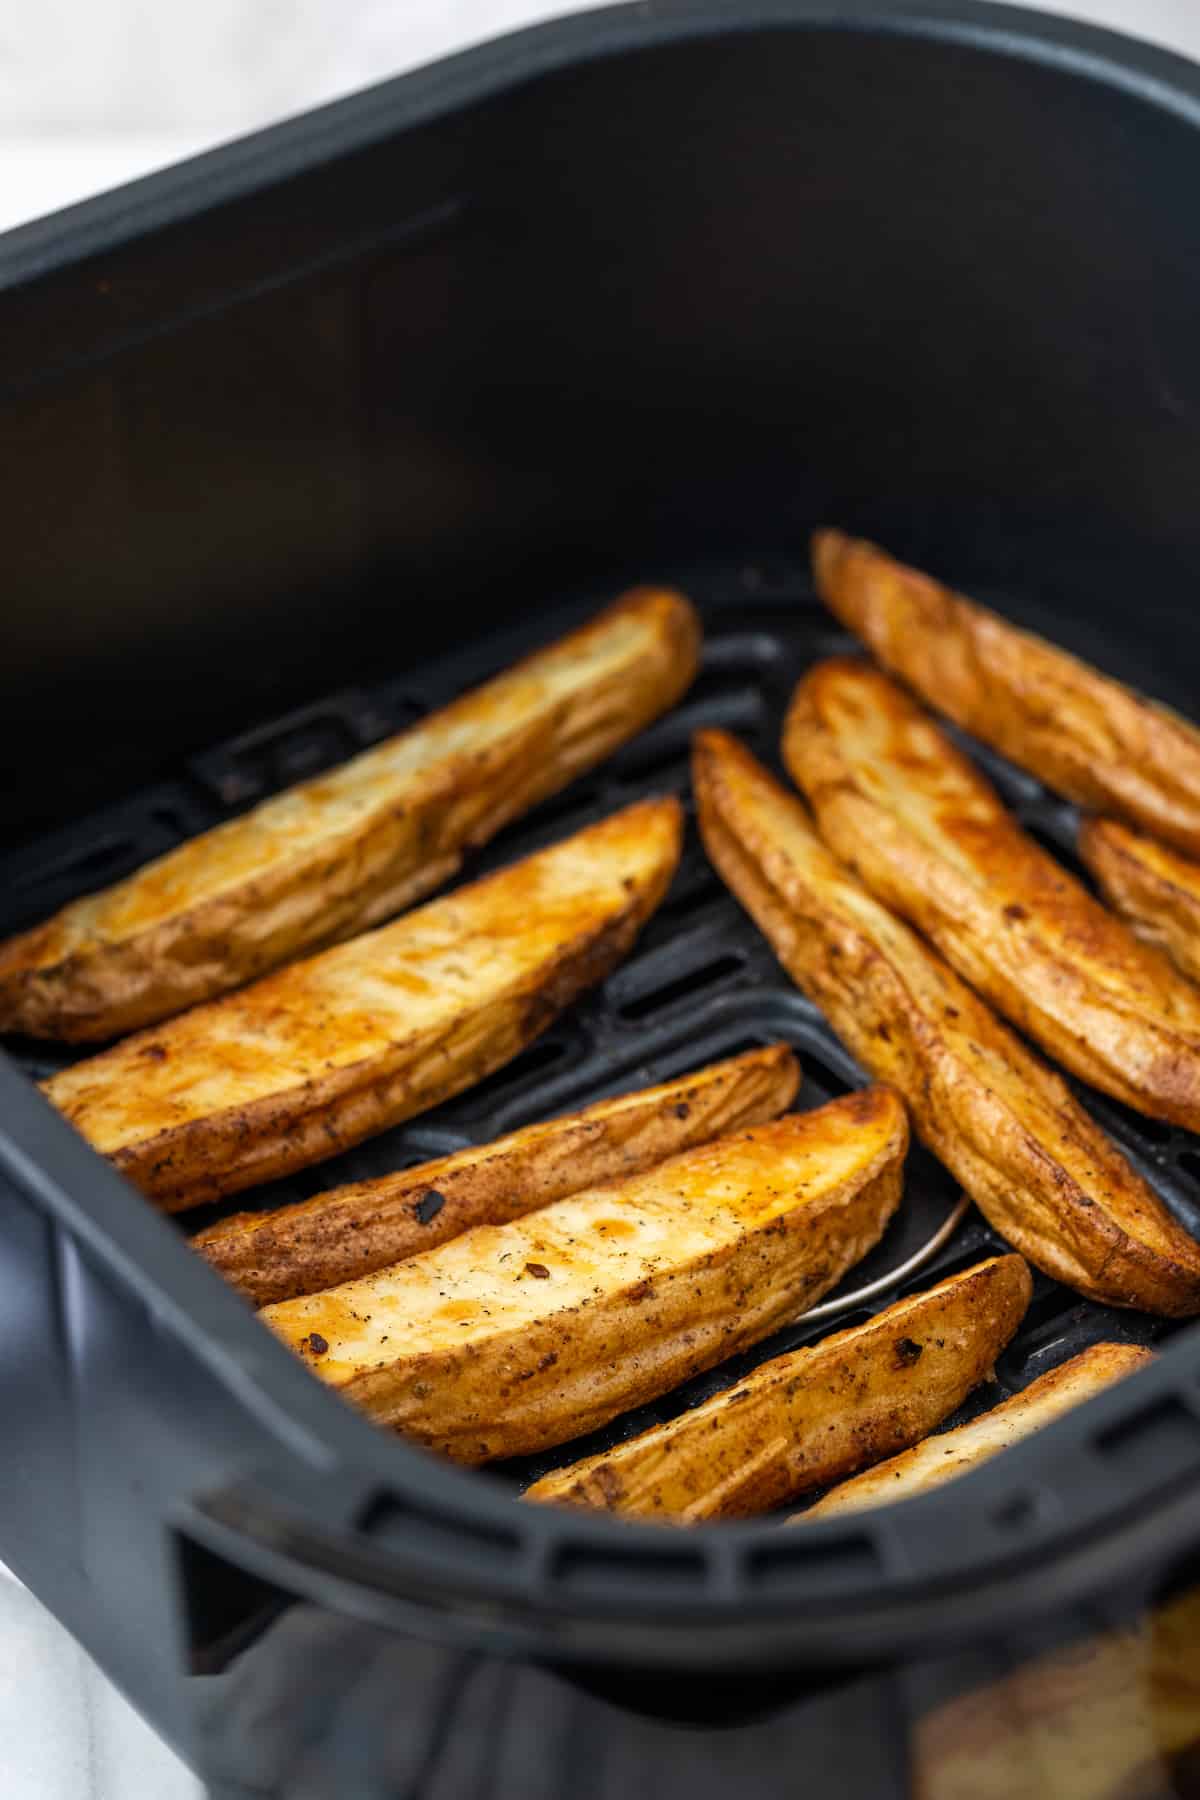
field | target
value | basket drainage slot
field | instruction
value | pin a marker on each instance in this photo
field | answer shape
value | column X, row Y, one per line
column 691, row 901
column 759, row 1040
column 663, row 758
column 694, row 982
column 1138, row 1127
column 827, row 1079
column 96, row 863
column 531, row 1062
column 1060, row 848
column 561, row 808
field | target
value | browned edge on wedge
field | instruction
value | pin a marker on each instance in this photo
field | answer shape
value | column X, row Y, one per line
column 928, row 834
column 339, row 854
column 952, row 1453
column 1152, row 886
column 807, row 1418
column 1006, row 1126
column 1084, row 734
column 363, row 1226
column 514, row 1337
column 320, row 1055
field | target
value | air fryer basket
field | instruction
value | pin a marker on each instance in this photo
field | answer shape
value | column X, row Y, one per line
column 642, row 294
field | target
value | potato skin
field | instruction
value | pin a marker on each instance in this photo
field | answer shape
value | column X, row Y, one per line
column 338, row 855
column 807, row 1418
column 929, row 836
column 1155, row 888
column 353, row 1230
column 320, row 1055
column 515, row 1337
column 1083, row 734
column 1036, row 1164
column 945, row 1457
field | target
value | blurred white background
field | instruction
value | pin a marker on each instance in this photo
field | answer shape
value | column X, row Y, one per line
column 93, row 92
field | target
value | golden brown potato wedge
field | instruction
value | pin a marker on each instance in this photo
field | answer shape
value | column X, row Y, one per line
column 354, row 1230
column 1006, row 1126
column 327, row 860
column 1087, row 736
column 1115, row 1716
column 931, row 838
column 814, row 1415
column 323, row 1054
column 514, row 1337
column 952, row 1453
column 1155, row 888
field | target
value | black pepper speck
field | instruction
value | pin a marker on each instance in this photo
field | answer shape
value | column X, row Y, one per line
column 428, row 1207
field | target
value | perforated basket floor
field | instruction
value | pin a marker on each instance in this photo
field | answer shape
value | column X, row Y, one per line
column 702, row 984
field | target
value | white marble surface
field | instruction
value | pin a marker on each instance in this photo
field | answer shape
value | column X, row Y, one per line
column 66, row 1732
column 91, row 95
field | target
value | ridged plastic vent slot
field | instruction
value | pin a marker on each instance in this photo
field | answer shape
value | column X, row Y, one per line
column 791, row 1564
column 426, row 1532
column 616, row 1574
column 1165, row 1437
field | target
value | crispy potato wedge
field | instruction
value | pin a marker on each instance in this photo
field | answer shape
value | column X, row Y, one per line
column 930, row 837
column 1004, row 1124
column 514, row 1337
column 318, row 1056
column 1114, row 1716
column 329, row 859
column 1085, row 735
column 354, row 1230
column 1156, row 889
column 942, row 1458
column 807, row 1418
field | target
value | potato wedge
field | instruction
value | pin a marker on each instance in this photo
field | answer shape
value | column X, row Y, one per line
column 329, row 859
column 354, row 1230
column 514, row 1337
column 1113, row 1716
column 807, row 1418
column 1156, row 889
column 942, row 1458
column 318, row 1056
column 1085, row 735
column 930, row 837
column 1005, row 1125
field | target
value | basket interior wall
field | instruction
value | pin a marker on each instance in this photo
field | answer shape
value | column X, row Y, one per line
column 661, row 304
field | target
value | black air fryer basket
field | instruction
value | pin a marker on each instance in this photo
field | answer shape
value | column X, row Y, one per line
column 305, row 436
